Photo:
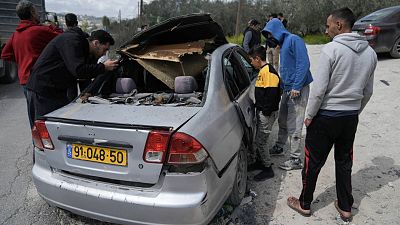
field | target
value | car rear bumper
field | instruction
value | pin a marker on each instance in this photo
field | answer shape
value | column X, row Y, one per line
column 179, row 199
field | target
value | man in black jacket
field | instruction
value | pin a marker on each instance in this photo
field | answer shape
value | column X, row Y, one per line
column 251, row 35
column 68, row 57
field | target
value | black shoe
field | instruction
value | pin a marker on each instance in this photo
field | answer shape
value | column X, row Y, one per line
column 265, row 174
column 255, row 166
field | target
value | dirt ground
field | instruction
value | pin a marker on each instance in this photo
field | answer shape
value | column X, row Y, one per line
column 376, row 168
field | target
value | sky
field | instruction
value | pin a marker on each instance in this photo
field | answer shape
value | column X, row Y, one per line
column 98, row 8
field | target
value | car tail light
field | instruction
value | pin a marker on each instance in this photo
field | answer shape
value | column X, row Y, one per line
column 184, row 149
column 371, row 31
column 41, row 136
column 156, row 146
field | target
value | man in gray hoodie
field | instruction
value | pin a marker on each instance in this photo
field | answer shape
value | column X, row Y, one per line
column 341, row 89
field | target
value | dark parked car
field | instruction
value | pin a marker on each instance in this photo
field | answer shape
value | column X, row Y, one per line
column 382, row 29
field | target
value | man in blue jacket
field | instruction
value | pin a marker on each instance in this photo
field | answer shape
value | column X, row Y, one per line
column 295, row 79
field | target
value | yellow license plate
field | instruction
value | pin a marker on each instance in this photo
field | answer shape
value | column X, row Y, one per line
column 97, row 154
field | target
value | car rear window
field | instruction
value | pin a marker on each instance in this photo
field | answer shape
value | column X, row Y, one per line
column 378, row 15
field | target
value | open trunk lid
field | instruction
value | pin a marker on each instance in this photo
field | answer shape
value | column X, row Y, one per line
column 175, row 47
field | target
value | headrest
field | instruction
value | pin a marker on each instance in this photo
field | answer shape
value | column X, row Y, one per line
column 185, row 84
column 125, row 85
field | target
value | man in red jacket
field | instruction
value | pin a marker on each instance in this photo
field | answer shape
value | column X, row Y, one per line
column 27, row 42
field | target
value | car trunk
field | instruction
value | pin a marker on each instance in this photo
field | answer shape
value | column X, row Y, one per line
column 113, row 118
column 117, row 128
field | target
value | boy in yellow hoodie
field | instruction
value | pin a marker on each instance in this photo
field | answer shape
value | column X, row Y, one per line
column 267, row 95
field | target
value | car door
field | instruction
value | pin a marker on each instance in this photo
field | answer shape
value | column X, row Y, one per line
column 237, row 82
column 252, row 74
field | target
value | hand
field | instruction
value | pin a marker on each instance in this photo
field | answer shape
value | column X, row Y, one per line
column 111, row 64
column 307, row 122
column 294, row 94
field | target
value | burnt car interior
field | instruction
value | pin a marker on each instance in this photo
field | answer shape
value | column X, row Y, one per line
column 160, row 67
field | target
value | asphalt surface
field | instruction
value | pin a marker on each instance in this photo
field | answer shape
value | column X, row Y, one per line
column 376, row 169
column 20, row 204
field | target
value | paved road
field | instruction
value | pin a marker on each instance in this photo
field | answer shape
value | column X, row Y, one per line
column 376, row 170
column 19, row 202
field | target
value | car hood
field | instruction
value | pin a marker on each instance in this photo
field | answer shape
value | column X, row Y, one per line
column 144, row 116
column 175, row 47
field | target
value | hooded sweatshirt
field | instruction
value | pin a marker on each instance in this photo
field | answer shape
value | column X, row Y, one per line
column 26, row 44
column 294, row 62
column 345, row 74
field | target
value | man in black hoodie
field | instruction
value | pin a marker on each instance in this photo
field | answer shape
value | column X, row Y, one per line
column 68, row 57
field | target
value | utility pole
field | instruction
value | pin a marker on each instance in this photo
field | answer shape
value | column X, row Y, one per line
column 140, row 22
column 141, row 12
column 238, row 17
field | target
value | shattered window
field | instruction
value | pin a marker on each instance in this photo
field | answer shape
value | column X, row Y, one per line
column 248, row 67
column 237, row 80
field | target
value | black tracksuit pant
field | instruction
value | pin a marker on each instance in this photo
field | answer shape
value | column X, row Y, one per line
column 323, row 133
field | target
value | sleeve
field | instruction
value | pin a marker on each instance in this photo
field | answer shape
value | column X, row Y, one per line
column 319, row 86
column 72, row 53
column 302, row 63
column 368, row 90
column 246, row 41
column 8, row 51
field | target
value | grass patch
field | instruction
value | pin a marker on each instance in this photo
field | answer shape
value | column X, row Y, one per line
column 316, row 39
column 311, row 39
column 235, row 39
column 239, row 39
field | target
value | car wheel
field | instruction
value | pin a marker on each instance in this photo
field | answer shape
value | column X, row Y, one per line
column 9, row 73
column 240, row 185
column 395, row 52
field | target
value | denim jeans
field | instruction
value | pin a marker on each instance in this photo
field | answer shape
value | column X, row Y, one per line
column 31, row 110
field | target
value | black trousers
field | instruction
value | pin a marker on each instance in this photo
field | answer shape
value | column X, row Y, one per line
column 44, row 104
column 323, row 133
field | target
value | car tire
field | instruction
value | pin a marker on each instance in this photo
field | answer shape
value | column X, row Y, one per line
column 9, row 73
column 240, row 185
column 395, row 52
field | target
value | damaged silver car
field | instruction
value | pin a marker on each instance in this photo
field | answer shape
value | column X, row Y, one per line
column 161, row 141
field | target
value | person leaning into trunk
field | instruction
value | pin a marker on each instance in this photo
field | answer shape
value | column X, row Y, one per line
column 342, row 87
column 267, row 94
column 65, row 59
column 27, row 42
column 295, row 79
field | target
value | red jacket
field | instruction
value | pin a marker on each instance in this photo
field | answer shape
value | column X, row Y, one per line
column 26, row 44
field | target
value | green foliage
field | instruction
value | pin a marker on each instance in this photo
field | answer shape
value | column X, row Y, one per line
column 235, row 39
column 106, row 22
column 304, row 16
column 238, row 39
column 316, row 39
column 85, row 26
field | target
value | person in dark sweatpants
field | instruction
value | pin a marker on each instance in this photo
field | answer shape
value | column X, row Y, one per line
column 342, row 87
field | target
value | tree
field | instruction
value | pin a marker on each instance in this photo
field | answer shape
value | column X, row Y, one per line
column 106, row 22
column 85, row 26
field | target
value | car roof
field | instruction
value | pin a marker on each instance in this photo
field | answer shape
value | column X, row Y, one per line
column 380, row 14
